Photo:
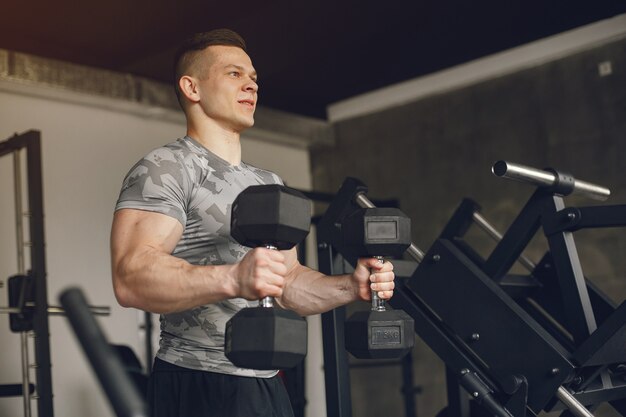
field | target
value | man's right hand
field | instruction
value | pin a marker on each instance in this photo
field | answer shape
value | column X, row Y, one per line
column 260, row 273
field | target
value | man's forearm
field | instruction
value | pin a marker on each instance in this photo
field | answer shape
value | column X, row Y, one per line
column 310, row 292
column 161, row 283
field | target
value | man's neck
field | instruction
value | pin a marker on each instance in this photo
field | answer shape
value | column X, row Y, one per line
column 223, row 143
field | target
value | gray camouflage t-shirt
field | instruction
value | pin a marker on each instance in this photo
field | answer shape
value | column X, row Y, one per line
column 186, row 181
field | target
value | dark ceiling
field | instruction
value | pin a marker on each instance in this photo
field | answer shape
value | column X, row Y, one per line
column 308, row 53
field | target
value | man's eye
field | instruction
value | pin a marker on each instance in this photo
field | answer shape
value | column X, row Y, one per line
column 234, row 73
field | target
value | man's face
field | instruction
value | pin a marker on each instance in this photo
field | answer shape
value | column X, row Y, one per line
column 227, row 86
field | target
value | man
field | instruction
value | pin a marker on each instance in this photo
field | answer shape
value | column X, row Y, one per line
column 172, row 252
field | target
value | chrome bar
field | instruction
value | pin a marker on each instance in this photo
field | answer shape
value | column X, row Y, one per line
column 56, row 310
column 481, row 222
column 415, row 253
column 364, row 202
column 544, row 178
column 572, row 403
column 9, row 310
column 95, row 310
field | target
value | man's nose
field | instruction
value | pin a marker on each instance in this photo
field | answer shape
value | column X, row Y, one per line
column 251, row 86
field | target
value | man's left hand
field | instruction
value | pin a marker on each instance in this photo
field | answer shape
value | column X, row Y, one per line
column 372, row 274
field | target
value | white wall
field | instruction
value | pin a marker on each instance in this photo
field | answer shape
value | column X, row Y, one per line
column 87, row 150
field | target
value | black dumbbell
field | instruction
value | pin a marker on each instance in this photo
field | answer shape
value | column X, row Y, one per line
column 264, row 337
column 378, row 333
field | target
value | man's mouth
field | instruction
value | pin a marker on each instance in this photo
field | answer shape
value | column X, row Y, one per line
column 247, row 102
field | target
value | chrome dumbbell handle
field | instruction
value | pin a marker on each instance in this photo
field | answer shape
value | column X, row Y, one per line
column 378, row 304
column 268, row 302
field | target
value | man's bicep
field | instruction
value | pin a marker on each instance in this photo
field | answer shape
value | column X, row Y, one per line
column 135, row 229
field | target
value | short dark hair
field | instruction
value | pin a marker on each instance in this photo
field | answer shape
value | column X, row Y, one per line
column 188, row 52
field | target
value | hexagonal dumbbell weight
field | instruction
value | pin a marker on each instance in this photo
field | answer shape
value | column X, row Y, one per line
column 378, row 333
column 264, row 337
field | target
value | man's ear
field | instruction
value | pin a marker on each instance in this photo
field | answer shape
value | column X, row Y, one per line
column 189, row 87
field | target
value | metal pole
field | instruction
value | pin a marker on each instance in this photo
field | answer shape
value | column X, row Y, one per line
column 546, row 179
column 19, row 234
column 19, row 224
column 572, row 403
column 336, row 372
column 43, row 367
column 56, row 310
column 497, row 236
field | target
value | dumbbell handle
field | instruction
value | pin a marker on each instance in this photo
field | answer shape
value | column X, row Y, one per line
column 378, row 304
column 268, row 302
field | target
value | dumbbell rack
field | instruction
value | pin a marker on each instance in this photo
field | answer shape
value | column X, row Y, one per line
column 31, row 142
column 517, row 344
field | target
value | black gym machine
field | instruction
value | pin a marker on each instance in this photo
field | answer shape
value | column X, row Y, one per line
column 516, row 344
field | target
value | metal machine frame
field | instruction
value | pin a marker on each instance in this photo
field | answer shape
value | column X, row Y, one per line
column 518, row 344
column 31, row 142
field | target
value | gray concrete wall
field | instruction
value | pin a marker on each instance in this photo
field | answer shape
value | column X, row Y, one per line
column 431, row 153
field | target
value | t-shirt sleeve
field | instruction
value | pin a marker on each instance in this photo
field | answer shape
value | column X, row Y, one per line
column 159, row 183
column 278, row 179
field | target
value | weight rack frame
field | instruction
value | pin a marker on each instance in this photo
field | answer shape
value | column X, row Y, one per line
column 31, row 142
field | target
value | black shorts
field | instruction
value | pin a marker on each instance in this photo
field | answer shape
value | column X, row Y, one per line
column 174, row 391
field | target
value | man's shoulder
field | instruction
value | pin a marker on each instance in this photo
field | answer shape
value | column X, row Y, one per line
column 178, row 150
column 182, row 147
column 170, row 148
